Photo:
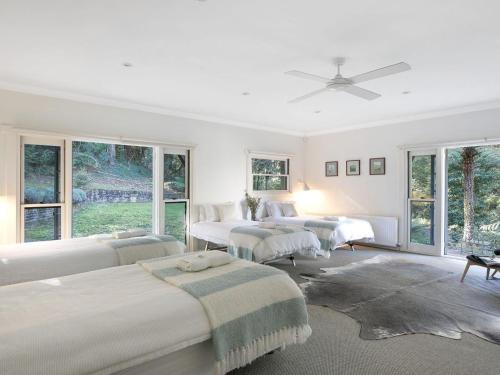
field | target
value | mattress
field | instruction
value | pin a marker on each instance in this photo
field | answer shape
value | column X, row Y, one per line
column 122, row 317
column 217, row 231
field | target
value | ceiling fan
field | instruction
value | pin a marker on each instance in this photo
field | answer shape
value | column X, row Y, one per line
column 339, row 83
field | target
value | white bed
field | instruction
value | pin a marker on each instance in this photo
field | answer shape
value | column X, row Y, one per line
column 42, row 260
column 277, row 245
column 347, row 230
column 123, row 320
column 122, row 316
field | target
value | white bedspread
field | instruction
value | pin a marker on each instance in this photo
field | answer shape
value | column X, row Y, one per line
column 347, row 230
column 41, row 260
column 264, row 244
column 96, row 322
column 217, row 232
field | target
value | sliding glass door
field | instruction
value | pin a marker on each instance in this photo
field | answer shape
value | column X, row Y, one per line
column 423, row 202
column 176, row 193
column 473, row 200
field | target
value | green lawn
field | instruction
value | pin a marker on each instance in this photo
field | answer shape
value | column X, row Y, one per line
column 96, row 218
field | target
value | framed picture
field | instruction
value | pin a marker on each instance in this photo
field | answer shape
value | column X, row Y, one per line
column 353, row 167
column 331, row 168
column 377, row 166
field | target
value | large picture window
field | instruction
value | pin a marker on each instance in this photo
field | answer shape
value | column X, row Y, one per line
column 112, row 188
column 270, row 174
column 78, row 188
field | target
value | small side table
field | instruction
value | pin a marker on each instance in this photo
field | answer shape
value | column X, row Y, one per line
column 486, row 263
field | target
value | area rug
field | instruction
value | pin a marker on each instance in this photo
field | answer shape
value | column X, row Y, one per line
column 392, row 297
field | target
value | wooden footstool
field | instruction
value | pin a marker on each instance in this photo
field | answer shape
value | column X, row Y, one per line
column 489, row 264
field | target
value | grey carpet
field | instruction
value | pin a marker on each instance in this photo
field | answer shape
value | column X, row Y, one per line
column 391, row 297
column 336, row 348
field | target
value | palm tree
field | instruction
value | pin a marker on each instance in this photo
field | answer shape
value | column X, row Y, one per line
column 468, row 155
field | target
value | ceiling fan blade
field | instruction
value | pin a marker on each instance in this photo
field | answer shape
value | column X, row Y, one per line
column 382, row 72
column 306, row 96
column 362, row 93
column 312, row 77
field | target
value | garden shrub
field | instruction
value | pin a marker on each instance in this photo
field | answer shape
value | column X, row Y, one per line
column 79, row 196
column 81, row 179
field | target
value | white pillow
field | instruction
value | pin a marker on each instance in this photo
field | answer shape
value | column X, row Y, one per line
column 288, row 209
column 274, row 209
column 227, row 212
column 261, row 211
column 208, row 212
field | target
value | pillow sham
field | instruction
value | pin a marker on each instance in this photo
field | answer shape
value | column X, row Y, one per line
column 288, row 209
column 227, row 212
column 208, row 212
column 261, row 211
column 274, row 209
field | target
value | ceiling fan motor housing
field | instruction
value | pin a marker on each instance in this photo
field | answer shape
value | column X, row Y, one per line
column 338, row 82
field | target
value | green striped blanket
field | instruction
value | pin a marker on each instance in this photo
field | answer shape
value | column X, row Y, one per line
column 261, row 244
column 252, row 309
column 323, row 230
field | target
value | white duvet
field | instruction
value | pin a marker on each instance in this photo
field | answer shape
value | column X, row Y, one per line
column 96, row 322
column 347, row 230
column 41, row 260
column 217, row 231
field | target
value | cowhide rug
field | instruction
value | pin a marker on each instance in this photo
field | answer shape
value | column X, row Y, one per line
column 391, row 297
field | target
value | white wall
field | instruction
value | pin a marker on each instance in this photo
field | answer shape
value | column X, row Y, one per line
column 220, row 159
column 381, row 195
column 219, row 156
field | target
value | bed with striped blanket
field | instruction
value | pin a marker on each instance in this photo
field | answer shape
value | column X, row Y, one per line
column 252, row 309
column 263, row 244
column 331, row 233
column 130, row 250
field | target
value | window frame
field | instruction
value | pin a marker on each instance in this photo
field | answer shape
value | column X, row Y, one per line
column 65, row 141
column 61, row 204
column 162, row 201
column 268, row 156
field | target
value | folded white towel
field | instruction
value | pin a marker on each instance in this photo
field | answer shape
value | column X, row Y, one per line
column 119, row 235
column 267, row 225
column 137, row 232
column 194, row 263
column 218, row 258
column 335, row 218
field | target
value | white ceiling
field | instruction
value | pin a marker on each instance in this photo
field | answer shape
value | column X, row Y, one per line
column 196, row 58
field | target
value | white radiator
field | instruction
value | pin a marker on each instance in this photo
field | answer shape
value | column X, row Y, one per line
column 384, row 227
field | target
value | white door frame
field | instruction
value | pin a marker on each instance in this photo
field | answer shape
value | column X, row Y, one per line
column 439, row 202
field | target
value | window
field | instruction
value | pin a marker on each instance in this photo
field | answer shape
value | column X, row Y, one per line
column 270, row 174
column 112, row 188
column 41, row 189
column 77, row 188
column 176, row 193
